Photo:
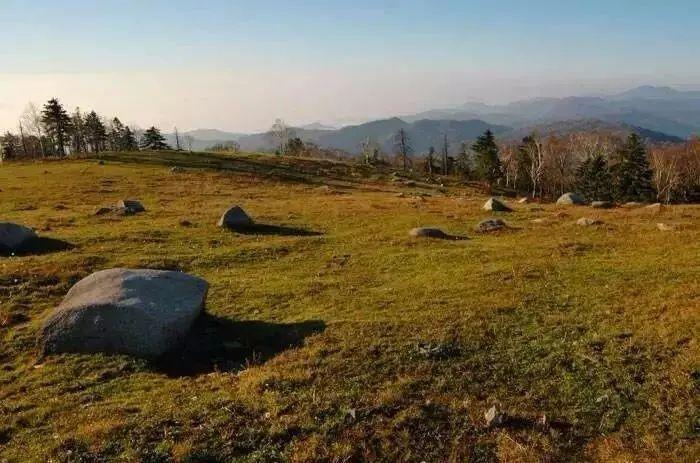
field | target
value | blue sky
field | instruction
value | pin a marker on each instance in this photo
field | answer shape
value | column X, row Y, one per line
column 198, row 63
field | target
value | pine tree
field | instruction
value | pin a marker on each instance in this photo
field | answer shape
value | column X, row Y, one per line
column 9, row 146
column 57, row 123
column 154, row 140
column 77, row 132
column 116, row 135
column 95, row 131
column 632, row 175
column 464, row 161
column 128, row 140
column 488, row 165
column 594, row 180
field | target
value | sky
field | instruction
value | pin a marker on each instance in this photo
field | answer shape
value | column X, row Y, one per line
column 239, row 65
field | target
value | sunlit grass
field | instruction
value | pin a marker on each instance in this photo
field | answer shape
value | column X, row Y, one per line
column 595, row 327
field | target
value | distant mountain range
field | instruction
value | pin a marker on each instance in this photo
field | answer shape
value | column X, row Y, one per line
column 660, row 109
column 659, row 114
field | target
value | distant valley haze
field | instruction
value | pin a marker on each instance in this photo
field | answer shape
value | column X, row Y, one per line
column 235, row 67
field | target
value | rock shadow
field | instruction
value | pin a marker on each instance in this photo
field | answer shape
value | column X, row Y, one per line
column 219, row 344
column 278, row 230
column 37, row 246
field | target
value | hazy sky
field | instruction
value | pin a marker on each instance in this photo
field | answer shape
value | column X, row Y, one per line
column 238, row 65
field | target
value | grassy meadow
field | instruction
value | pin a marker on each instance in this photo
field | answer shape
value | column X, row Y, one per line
column 331, row 335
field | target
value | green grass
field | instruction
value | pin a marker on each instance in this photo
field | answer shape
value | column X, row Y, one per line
column 308, row 351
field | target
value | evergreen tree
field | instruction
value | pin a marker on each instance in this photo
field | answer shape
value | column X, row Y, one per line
column 116, row 135
column 632, row 175
column 593, row 179
column 9, row 146
column 464, row 161
column 488, row 165
column 128, row 140
column 523, row 162
column 57, row 124
column 154, row 140
column 95, row 131
column 77, row 132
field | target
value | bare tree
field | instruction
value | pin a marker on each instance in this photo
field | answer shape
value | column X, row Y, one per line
column 403, row 146
column 31, row 123
column 189, row 139
column 445, row 153
column 177, row 140
column 370, row 151
column 281, row 133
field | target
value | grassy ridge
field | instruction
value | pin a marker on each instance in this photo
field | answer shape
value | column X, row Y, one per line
column 309, row 348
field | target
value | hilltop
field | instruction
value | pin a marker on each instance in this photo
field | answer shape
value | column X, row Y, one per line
column 331, row 335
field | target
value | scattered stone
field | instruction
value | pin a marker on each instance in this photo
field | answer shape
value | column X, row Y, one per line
column 400, row 195
column 490, row 225
column 601, row 204
column 140, row 312
column 437, row 350
column 495, row 205
column 14, row 236
column 570, row 199
column 540, row 220
column 655, row 208
column 427, row 232
column 632, row 205
column 185, row 223
column 130, row 206
column 104, row 210
column 235, row 218
column 493, row 417
column 176, row 169
column 409, row 183
column 587, row 222
column 665, row 227
column 524, row 200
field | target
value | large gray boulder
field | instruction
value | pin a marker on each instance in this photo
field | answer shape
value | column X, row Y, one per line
column 571, row 199
column 495, row 205
column 14, row 236
column 235, row 218
column 140, row 312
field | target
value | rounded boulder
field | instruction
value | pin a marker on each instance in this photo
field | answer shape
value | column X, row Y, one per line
column 140, row 312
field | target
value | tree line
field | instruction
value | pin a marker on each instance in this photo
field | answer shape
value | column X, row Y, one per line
column 599, row 166
column 52, row 132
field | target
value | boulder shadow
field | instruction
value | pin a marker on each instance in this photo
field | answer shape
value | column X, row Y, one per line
column 219, row 344
column 37, row 246
column 278, row 230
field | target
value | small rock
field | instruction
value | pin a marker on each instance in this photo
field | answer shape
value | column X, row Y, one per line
column 587, row 222
column 490, row 225
column 495, row 205
column 103, row 210
column 493, row 417
column 235, row 218
column 427, row 232
column 653, row 208
column 665, row 227
column 570, row 199
column 601, row 204
column 130, row 206
column 400, row 195
column 632, row 205
column 524, row 200
column 409, row 183
column 101, row 162
column 14, row 236
column 176, row 169
column 185, row 223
